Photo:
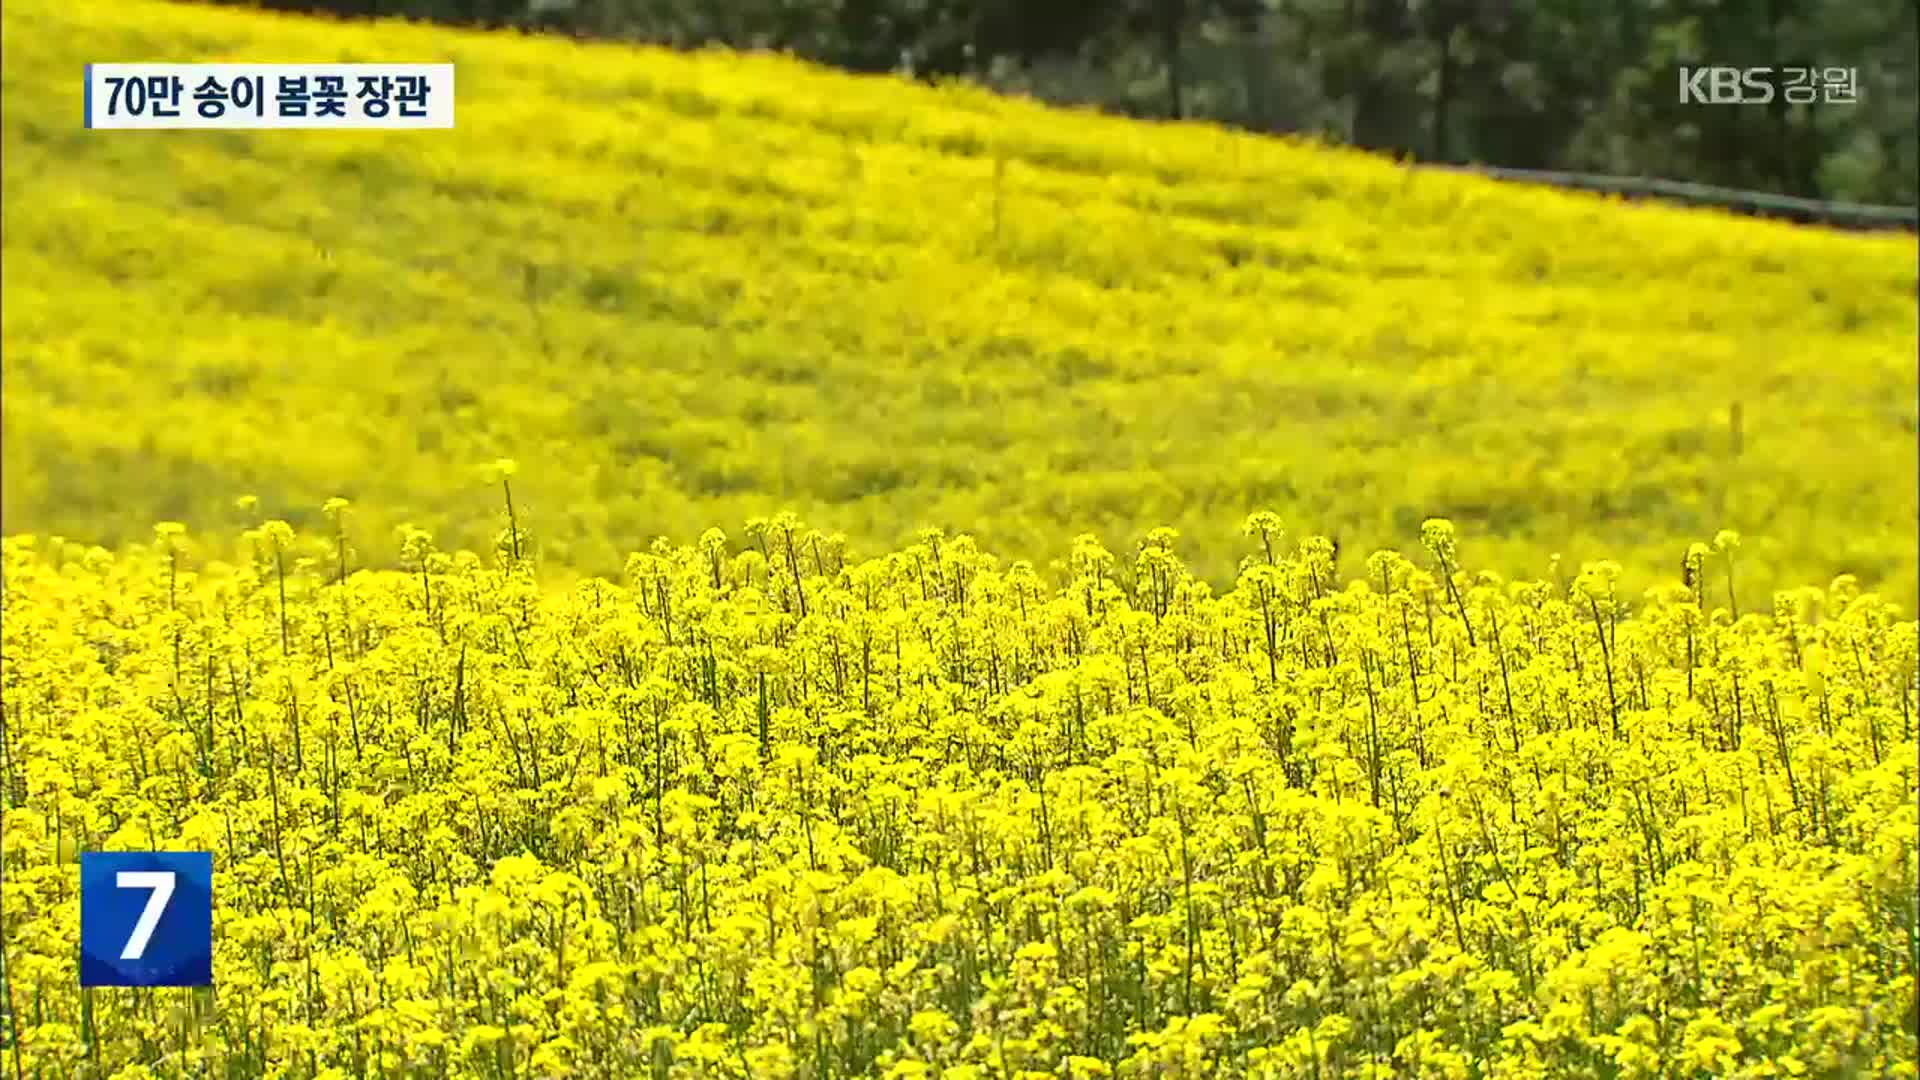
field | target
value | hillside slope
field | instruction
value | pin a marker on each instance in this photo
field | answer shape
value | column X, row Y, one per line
column 683, row 290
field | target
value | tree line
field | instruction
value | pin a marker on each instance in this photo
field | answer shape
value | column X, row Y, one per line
column 1575, row 85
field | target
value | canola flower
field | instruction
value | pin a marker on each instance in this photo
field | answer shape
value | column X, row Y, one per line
column 765, row 809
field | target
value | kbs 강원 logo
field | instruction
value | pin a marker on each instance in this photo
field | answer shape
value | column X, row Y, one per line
column 1762, row 85
column 146, row 918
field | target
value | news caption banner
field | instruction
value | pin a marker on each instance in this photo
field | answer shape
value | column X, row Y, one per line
column 146, row 918
column 269, row 96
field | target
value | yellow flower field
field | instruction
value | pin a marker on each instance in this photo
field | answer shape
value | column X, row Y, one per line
column 689, row 289
column 764, row 810
column 1017, row 747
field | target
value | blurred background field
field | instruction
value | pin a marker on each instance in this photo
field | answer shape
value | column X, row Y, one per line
column 683, row 290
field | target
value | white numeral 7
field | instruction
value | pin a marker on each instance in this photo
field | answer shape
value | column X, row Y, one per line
column 161, row 882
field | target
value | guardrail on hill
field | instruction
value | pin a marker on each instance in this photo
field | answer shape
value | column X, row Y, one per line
column 1763, row 204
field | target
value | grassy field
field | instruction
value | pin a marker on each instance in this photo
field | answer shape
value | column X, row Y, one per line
column 687, row 290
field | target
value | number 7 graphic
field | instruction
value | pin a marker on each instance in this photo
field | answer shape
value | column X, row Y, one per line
column 161, row 882
column 146, row 918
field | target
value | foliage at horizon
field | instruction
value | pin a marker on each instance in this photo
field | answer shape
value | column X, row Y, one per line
column 1551, row 85
column 682, row 288
column 761, row 808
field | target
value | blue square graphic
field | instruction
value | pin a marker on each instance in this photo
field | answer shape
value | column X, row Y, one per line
column 146, row 918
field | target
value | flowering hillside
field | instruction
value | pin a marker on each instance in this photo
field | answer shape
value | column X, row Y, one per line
column 689, row 289
column 762, row 809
